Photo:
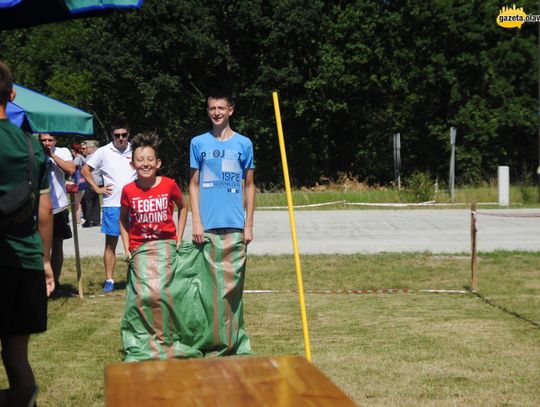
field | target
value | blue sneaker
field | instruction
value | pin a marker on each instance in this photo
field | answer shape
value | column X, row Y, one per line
column 108, row 287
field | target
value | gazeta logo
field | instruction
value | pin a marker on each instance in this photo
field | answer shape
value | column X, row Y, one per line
column 514, row 17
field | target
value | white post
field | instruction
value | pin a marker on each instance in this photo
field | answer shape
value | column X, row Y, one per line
column 504, row 185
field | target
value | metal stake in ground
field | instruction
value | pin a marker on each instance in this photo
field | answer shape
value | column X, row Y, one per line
column 76, row 242
column 474, row 230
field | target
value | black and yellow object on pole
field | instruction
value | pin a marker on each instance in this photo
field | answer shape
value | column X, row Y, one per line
column 293, row 227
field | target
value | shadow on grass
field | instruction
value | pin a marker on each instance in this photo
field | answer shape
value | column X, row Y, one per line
column 64, row 291
column 70, row 291
column 120, row 285
column 504, row 309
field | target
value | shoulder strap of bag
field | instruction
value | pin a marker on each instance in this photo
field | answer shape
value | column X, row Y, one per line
column 30, row 167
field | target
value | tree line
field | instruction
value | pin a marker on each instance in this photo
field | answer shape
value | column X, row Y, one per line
column 349, row 75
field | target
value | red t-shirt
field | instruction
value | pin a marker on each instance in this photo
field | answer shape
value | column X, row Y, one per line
column 151, row 211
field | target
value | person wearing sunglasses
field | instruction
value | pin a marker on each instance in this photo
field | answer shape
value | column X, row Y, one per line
column 114, row 163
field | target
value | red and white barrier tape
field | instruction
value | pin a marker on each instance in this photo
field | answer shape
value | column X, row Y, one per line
column 303, row 206
column 348, row 292
column 373, row 291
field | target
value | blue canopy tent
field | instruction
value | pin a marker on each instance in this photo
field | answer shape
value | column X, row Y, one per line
column 27, row 13
column 38, row 113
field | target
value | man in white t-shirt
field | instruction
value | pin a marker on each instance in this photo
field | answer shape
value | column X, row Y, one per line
column 114, row 163
column 90, row 202
column 60, row 164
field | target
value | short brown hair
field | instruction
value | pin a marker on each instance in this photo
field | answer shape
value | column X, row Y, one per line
column 119, row 124
column 148, row 139
column 220, row 94
column 6, row 83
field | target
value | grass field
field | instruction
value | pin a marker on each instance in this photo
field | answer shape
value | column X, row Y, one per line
column 413, row 349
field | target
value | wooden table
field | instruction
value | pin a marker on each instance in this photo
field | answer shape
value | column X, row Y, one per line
column 222, row 382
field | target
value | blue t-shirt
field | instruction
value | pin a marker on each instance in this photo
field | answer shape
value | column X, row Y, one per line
column 222, row 166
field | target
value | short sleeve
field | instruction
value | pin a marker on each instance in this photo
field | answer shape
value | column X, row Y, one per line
column 176, row 194
column 193, row 155
column 95, row 159
column 64, row 154
column 250, row 163
column 124, row 198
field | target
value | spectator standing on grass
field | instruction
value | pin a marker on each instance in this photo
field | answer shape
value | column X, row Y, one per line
column 222, row 199
column 27, row 276
column 60, row 164
column 90, row 201
column 114, row 163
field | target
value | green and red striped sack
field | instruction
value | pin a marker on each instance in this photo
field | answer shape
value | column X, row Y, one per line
column 220, row 265
column 153, row 325
column 186, row 302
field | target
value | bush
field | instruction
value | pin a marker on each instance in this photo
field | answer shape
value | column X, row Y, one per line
column 419, row 187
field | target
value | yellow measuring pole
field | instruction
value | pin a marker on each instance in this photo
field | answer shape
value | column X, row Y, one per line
column 293, row 227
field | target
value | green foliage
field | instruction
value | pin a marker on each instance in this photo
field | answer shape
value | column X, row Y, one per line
column 419, row 187
column 349, row 75
column 71, row 87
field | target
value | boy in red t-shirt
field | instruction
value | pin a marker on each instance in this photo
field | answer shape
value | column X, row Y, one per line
column 150, row 325
column 148, row 202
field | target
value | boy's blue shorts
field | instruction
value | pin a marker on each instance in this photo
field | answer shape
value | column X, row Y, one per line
column 110, row 221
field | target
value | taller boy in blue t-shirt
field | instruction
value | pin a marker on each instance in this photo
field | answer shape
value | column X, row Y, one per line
column 222, row 200
column 221, row 188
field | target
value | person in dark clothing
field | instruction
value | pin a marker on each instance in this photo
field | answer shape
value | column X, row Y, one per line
column 91, row 203
column 25, row 246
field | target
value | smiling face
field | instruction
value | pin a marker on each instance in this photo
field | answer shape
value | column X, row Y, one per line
column 145, row 162
column 219, row 111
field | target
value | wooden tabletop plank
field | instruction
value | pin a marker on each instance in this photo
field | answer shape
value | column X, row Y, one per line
column 222, row 382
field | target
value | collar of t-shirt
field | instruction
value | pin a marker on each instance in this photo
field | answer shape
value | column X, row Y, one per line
column 127, row 150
